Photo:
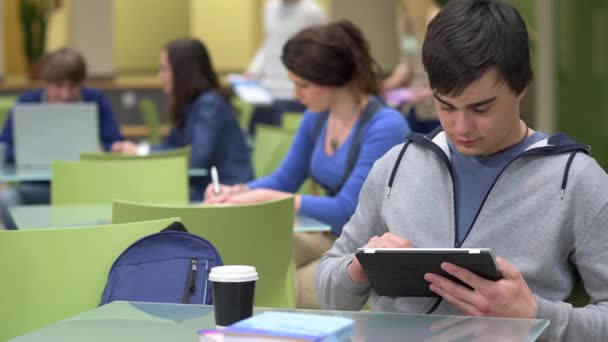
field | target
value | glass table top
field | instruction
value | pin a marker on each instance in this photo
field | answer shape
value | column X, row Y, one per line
column 126, row 321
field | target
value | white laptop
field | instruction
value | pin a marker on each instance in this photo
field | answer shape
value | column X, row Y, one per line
column 46, row 132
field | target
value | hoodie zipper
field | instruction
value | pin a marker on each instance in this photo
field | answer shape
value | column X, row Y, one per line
column 190, row 282
column 437, row 150
column 540, row 151
column 537, row 151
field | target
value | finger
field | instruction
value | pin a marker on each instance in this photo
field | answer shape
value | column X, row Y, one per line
column 397, row 240
column 466, row 276
column 465, row 307
column 507, row 270
column 458, row 291
column 242, row 198
column 221, row 198
column 116, row 147
column 381, row 242
column 208, row 191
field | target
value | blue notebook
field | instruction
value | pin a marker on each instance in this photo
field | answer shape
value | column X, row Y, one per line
column 283, row 326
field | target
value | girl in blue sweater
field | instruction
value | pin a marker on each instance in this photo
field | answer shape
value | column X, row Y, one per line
column 336, row 78
column 201, row 116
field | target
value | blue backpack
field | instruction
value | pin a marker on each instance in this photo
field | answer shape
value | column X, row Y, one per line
column 167, row 267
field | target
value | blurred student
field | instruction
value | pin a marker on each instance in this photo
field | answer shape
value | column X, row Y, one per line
column 201, row 116
column 282, row 20
column 413, row 17
column 344, row 131
column 63, row 75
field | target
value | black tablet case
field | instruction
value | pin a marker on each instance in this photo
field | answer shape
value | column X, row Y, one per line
column 401, row 274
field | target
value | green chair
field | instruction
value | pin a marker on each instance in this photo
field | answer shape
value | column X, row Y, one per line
column 260, row 235
column 6, row 103
column 151, row 117
column 244, row 112
column 176, row 152
column 51, row 274
column 97, row 182
column 291, row 120
column 271, row 147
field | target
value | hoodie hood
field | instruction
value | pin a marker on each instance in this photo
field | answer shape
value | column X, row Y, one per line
column 437, row 142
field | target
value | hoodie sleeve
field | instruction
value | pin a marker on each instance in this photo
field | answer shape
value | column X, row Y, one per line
column 590, row 255
column 335, row 289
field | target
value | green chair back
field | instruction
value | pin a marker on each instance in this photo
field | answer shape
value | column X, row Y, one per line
column 151, row 117
column 244, row 112
column 97, row 182
column 291, row 120
column 271, row 147
column 51, row 274
column 176, row 152
column 6, row 103
column 260, row 235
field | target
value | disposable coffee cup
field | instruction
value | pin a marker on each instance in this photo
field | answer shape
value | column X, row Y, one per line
column 233, row 291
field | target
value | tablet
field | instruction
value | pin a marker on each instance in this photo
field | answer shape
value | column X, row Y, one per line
column 399, row 272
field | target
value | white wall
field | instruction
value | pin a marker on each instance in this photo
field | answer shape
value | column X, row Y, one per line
column 376, row 18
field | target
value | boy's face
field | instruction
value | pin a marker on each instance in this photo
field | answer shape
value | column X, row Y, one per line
column 484, row 119
column 62, row 91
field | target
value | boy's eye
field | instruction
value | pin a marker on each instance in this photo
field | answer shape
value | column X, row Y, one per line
column 481, row 109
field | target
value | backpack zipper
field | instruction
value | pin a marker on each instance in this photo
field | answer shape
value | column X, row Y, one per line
column 190, row 282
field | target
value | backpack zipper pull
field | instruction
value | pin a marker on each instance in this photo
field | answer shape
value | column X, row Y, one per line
column 190, row 282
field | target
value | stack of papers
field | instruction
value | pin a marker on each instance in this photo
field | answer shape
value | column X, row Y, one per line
column 249, row 90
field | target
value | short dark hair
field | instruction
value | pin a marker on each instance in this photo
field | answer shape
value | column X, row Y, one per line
column 64, row 64
column 193, row 74
column 332, row 55
column 468, row 37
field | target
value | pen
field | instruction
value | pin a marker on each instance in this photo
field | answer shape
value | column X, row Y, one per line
column 215, row 179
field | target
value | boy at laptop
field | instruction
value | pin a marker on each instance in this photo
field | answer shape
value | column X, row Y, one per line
column 483, row 179
column 63, row 74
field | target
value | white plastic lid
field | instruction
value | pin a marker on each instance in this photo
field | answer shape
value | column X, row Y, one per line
column 233, row 274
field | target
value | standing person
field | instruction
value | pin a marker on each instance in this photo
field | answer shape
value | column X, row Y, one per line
column 201, row 116
column 344, row 131
column 540, row 202
column 413, row 17
column 282, row 20
column 63, row 74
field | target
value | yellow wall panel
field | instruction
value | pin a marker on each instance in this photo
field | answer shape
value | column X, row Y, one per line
column 142, row 28
column 15, row 64
column 231, row 30
column 58, row 29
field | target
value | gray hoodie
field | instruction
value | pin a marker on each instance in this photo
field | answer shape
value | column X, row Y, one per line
column 546, row 214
